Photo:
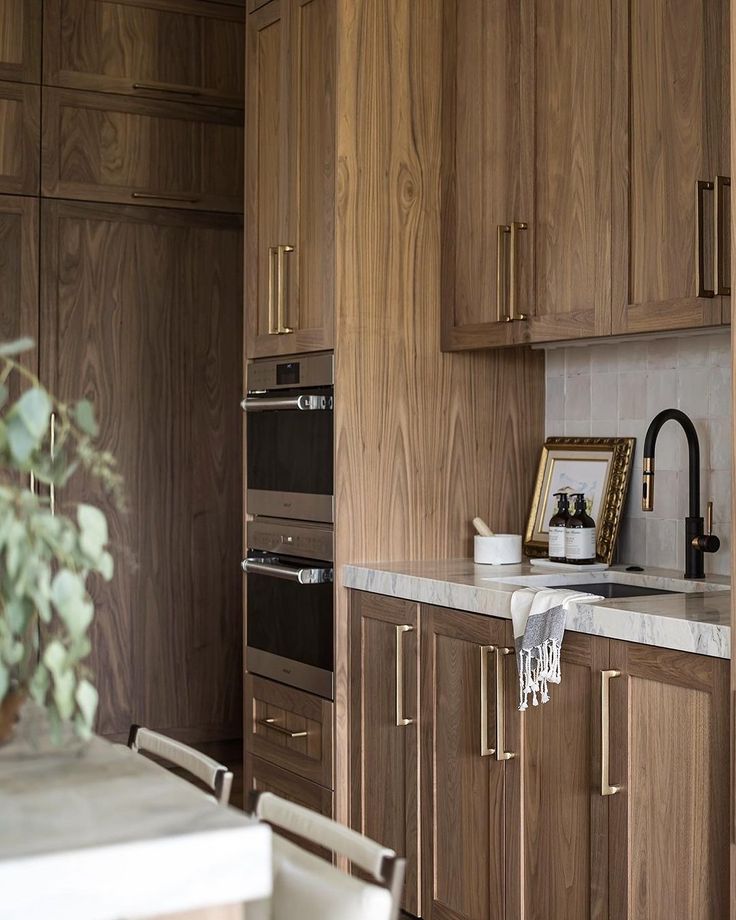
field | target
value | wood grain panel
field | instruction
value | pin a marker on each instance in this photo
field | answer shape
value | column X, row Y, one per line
column 669, row 751
column 569, row 237
column 19, row 273
column 20, row 40
column 565, row 819
column 19, row 138
column 309, row 756
column 424, row 441
column 140, row 316
column 99, row 147
column 669, row 108
column 732, row 811
column 182, row 49
column 263, row 776
column 385, row 756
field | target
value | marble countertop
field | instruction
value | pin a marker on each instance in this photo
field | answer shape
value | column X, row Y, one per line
column 696, row 618
column 105, row 833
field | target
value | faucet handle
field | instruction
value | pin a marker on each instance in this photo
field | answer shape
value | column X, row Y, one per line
column 707, row 542
column 709, row 519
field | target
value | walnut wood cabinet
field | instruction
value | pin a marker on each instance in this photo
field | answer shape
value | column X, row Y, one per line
column 188, row 50
column 103, row 147
column 140, row 313
column 19, row 271
column 20, row 40
column 290, row 177
column 571, row 155
column 613, row 802
column 19, row 138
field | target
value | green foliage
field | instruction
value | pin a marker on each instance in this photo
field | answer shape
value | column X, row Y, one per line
column 48, row 554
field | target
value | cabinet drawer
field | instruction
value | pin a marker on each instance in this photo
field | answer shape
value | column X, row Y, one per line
column 19, row 137
column 98, row 147
column 289, row 728
column 189, row 49
column 262, row 776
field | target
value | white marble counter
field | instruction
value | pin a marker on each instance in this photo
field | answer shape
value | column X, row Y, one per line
column 105, row 833
column 695, row 619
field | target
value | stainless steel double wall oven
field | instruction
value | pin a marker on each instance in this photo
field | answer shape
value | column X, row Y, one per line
column 290, row 501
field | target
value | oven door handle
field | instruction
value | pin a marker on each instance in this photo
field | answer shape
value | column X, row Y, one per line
column 295, row 573
column 305, row 403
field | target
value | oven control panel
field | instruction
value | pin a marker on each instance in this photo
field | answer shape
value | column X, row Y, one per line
column 288, row 538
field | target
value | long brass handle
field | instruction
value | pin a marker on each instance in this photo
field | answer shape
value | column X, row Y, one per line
column 485, row 651
column 606, row 787
column 272, row 330
column 273, row 724
column 701, row 187
column 722, row 287
column 281, row 327
column 501, row 753
column 52, row 452
column 154, row 196
column 516, row 227
column 400, row 718
column 166, row 88
column 502, row 315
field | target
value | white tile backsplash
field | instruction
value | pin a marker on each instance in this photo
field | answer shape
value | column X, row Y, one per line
column 614, row 389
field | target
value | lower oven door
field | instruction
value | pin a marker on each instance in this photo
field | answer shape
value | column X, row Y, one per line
column 290, row 621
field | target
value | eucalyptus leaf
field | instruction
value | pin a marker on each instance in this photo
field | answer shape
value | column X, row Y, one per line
column 16, row 347
column 106, row 566
column 87, row 698
column 55, row 657
column 39, row 683
column 4, row 680
column 64, row 685
column 84, row 415
column 20, row 440
column 93, row 526
column 68, row 595
column 34, row 410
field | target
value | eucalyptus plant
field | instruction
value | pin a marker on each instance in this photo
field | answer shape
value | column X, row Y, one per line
column 47, row 557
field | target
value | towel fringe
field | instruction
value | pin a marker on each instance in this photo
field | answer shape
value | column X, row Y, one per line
column 538, row 667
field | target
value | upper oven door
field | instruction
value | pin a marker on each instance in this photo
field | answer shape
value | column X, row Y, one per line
column 290, row 453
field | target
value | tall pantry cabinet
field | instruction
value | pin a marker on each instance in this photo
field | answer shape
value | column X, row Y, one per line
column 122, row 253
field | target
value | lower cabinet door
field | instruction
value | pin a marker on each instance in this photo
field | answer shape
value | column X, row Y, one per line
column 464, row 800
column 385, row 691
column 669, row 742
column 565, row 815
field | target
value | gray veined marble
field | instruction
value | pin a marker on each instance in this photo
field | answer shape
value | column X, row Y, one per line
column 694, row 619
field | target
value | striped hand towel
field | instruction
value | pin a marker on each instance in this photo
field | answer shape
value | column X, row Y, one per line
column 539, row 618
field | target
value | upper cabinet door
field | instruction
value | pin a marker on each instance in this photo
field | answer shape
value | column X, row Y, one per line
column 671, row 109
column 189, row 50
column 486, row 170
column 19, row 138
column 20, row 40
column 290, row 177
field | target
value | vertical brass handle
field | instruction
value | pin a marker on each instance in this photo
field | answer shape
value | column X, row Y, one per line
column 281, row 327
column 400, row 718
column 700, row 188
column 502, row 315
column 709, row 519
column 722, row 286
column 52, row 450
column 501, row 753
column 485, row 651
column 271, row 290
column 606, row 787
column 516, row 227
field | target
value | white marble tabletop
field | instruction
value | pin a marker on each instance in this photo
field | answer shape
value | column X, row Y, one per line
column 696, row 618
column 105, row 833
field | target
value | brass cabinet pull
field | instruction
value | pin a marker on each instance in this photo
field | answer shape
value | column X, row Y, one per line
column 722, row 286
column 516, row 227
column 166, row 88
column 272, row 723
column 485, row 651
column 606, row 787
column 52, row 452
column 281, row 327
column 701, row 187
column 502, row 315
column 400, row 718
column 501, row 754
column 153, row 196
column 272, row 330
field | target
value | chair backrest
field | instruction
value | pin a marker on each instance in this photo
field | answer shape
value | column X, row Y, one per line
column 379, row 862
column 208, row 771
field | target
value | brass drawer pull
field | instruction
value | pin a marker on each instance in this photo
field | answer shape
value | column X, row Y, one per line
column 502, row 315
column 151, row 196
column 273, row 724
column 400, row 718
column 606, row 787
column 165, row 88
column 722, row 285
column 702, row 291
column 485, row 651
column 516, row 227
column 272, row 330
column 501, row 754
column 281, row 327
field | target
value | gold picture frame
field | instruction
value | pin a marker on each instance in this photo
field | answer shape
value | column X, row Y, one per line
column 601, row 467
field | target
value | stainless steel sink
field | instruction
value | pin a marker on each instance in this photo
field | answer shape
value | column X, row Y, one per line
column 611, row 584
column 611, row 589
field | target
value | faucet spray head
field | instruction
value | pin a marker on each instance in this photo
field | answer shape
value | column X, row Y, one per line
column 647, row 495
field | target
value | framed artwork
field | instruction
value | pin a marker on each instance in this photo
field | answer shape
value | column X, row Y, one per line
column 598, row 467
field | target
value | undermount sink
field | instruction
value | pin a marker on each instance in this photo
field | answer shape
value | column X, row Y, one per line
column 611, row 584
column 611, row 589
